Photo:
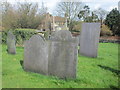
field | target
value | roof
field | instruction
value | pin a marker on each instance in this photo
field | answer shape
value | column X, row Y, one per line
column 49, row 17
column 59, row 19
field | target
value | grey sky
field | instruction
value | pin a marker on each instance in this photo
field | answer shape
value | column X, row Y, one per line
column 93, row 4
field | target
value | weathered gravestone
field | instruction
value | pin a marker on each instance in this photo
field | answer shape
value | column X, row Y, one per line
column 62, row 55
column 89, row 39
column 36, row 55
column 11, row 47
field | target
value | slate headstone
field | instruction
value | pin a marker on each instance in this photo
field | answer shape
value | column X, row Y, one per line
column 89, row 39
column 62, row 55
column 36, row 55
column 11, row 47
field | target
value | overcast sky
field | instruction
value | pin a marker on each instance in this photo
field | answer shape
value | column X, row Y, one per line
column 93, row 4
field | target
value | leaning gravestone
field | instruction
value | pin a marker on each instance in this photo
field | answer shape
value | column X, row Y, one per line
column 36, row 55
column 62, row 55
column 11, row 47
column 89, row 39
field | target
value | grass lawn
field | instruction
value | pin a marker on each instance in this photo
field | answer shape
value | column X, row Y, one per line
column 101, row 72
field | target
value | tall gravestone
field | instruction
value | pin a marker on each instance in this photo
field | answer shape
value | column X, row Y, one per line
column 11, row 47
column 36, row 55
column 62, row 55
column 89, row 39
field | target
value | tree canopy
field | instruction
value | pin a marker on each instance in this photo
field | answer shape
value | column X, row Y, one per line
column 22, row 15
column 113, row 21
column 70, row 10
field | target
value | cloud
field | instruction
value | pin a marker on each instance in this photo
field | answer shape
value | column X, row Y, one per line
column 51, row 5
column 63, row 0
column 112, row 7
column 97, row 6
column 89, row 0
column 93, row 4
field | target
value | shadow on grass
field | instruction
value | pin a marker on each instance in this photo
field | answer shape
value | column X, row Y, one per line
column 110, row 69
column 21, row 63
column 114, row 87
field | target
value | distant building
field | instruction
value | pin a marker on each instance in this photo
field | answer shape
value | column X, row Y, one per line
column 52, row 23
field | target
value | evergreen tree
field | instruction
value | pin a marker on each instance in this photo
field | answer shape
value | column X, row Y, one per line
column 113, row 21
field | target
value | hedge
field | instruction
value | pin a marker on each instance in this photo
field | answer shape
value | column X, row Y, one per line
column 20, row 34
column 105, row 31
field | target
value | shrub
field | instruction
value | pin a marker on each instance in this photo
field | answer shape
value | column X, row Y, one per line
column 105, row 31
column 4, row 36
column 20, row 34
column 77, row 26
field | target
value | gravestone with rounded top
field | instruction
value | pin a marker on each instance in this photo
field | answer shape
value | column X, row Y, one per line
column 89, row 39
column 11, row 47
column 62, row 55
column 36, row 55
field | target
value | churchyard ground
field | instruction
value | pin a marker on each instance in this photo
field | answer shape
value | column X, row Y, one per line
column 100, row 72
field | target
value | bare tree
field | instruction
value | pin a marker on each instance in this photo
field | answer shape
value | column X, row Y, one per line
column 28, row 15
column 101, row 13
column 27, row 12
column 43, row 9
column 70, row 10
column 21, row 15
column 9, row 16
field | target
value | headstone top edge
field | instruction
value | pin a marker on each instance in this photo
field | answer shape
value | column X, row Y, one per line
column 91, row 23
column 63, row 35
column 37, row 35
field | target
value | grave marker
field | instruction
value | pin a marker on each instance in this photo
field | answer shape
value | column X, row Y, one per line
column 36, row 55
column 62, row 55
column 89, row 39
column 11, row 47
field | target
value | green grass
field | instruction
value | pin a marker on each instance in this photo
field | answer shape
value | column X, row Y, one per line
column 26, row 29
column 91, row 72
